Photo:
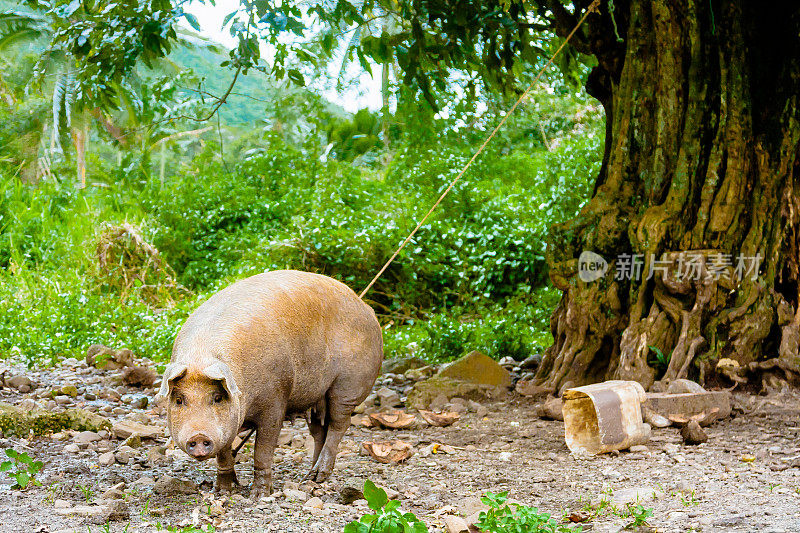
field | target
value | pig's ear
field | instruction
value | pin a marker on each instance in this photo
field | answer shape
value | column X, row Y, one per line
column 219, row 371
column 171, row 373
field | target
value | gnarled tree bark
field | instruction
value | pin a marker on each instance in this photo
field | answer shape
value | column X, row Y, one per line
column 701, row 169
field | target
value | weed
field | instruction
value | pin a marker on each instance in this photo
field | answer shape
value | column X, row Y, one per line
column 502, row 518
column 25, row 469
column 387, row 517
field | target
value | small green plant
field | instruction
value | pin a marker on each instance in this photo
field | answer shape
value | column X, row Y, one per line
column 387, row 517
column 25, row 469
column 87, row 491
column 502, row 518
column 640, row 514
column 659, row 361
column 688, row 499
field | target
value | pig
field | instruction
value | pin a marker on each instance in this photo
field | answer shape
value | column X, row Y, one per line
column 269, row 347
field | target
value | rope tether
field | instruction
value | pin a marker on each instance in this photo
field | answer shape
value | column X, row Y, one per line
column 592, row 8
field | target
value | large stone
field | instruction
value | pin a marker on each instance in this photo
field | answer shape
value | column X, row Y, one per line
column 168, row 485
column 21, row 383
column 110, row 511
column 424, row 392
column 693, row 434
column 689, row 404
column 16, row 421
column 455, row 524
column 552, row 409
column 127, row 428
column 477, row 368
column 85, row 437
column 388, row 398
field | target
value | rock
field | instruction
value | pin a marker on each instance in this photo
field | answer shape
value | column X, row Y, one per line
column 63, row 399
column 479, row 369
column 551, row 409
column 106, row 358
column 684, row 386
column 70, row 390
column 472, row 505
column 438, row 403
column 61, row 504
column 417, row 374
column 294, row 495
column 140, row 402
column 531, row 362
column 15, row 421
column 401, row 365
column 113, row 494
column 455, row 524
column 144, row 482
column 89, row 396
column 314, row 503
column 689, row 404
column 85, row 437
column 127, row 428
column 110, row 511
column 168, row 485
column 139, row 376
column 21, row 383
column 72, row 448
column 123, row 457
column 388, row 398
column 134, row 441
column 638, row 448
column 156, row 457
column 692, row 433
column 424, row 392
column 106, row 459
column 624, row 496
column 527, row 387
column 655, row 419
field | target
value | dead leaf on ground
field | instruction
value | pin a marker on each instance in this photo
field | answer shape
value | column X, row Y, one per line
column 439, row 419
column 389, row 452
column 704, row 418
column 393, row 419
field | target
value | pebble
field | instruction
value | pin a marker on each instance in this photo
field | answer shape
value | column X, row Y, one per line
column 295, row 495
column 106, row 459
column 85, row 437
column 72, row 448
column 314, row 503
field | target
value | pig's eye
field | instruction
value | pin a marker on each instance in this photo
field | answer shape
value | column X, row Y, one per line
column 217, row 397
column 178, row 401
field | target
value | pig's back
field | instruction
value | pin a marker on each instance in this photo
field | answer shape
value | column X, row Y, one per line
column 297, row 327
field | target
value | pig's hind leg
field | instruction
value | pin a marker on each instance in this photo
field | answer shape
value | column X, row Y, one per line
column 340, row 404
column 318, row 427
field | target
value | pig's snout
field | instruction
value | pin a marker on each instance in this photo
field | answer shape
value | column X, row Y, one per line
column 200, row 447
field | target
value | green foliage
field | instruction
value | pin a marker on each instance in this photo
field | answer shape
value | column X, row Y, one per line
column 502, row 517
column 640, row 514
column 21, row 468
column 387, row 517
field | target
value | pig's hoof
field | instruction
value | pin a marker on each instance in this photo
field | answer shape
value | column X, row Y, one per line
column 262, row 486
column 225, row 482
column 317, row 475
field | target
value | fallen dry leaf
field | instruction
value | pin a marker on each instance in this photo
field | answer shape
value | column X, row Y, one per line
column 704, row 418
column 578, row 516
column 393, row 419
column 439, row 419
column 388, row 452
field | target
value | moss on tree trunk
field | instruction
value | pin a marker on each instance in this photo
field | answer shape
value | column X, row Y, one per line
column 702, row 157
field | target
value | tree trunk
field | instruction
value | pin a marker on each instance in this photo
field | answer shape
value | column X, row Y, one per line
column 701, row 173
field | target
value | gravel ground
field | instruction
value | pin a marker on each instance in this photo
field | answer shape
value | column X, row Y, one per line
column 745, row 478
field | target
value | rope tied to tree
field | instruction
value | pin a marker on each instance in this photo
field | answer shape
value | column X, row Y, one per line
column 593, row 7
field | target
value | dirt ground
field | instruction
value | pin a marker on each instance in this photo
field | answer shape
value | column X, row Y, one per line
column 745, row 478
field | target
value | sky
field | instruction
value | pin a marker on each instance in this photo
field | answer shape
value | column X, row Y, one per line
column 365, row 93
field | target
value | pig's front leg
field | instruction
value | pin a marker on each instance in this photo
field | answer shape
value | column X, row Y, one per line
column 226, row 474
column 269, row 429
